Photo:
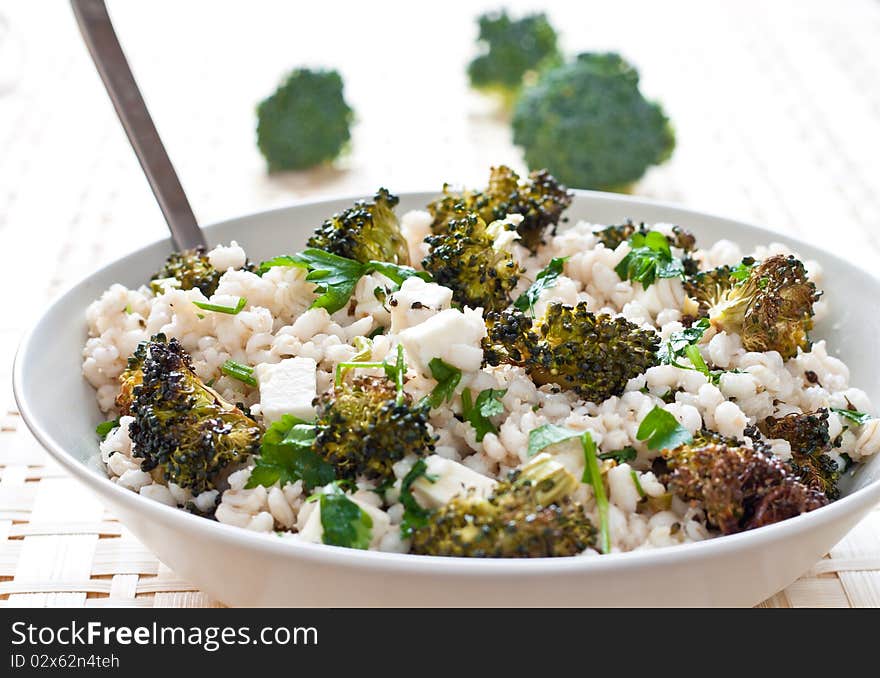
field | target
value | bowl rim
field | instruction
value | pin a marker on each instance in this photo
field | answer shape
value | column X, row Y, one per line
column 174, row 517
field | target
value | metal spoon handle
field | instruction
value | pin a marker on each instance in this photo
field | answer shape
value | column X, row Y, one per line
column 100, row 38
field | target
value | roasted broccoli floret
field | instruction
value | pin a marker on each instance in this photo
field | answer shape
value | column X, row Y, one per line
column 365, row 426
column 613, row 236
column 593, row 355
column 530, row 515
column 367, row 231
column 473, row 259
column 810, row 441
column 305, row 122
column 184, row 432
column 770, row 305
column 514, row 48
column 540, row 200
column 588, row 123
column 192, row 269
column 739, row 487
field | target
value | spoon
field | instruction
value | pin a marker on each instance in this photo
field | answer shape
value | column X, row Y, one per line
column 100, row 38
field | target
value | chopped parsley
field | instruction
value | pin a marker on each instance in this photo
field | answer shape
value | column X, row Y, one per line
column 344, row 522
column 488, row 404
column 335, row 277
column 661, row 430
column 216, row 308
column 103, row 429
column 650, row 257
column 395, row 371
column 287, row 455
column 684, row 344
column 544, row 280
column 414, row 514
column 242, row 373
column 858, row 418
column 447, row 378
column 623, row 454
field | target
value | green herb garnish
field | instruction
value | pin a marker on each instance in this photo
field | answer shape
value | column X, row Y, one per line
column 287, row 455
column 488, row 404
column 649, row 258
column 414, row 514
column 662, row 431
column 242, row 373
column 103, row 429
column 344, row 522
column 447, row 378
column 624, row 454
column 544, row 280
column 859, row 418
column 216, row 308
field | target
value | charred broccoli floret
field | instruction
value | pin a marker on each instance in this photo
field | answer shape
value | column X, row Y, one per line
column 364, row 426
column 588, row 123
column 613, row 236
column 593, row 355
column 514, row 48
column 367, row 231
column 739, row 487
column 184, row 432
column 305, row 122
column 192, row 269
column 540, row 200
column 530, row 515
column 770, row 306
column 809, row 439
column 473, row 260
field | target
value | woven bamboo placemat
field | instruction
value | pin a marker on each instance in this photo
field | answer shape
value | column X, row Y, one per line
column 776, row 105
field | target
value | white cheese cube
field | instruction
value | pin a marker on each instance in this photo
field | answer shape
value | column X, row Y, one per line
column 416, row 301
column 453, row 336
column 288, row 387
column 450, row 479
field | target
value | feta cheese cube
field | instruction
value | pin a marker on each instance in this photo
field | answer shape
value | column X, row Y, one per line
column 453, row 336
column 450, row 479
column 288, row 387
column 416, row 301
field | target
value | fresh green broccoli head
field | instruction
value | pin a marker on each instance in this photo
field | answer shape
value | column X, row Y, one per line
column 771, row 309
column 515, row 47
column 305, row 122
column 739, row 487
column 182, row 429
column 367, row 231
column 809, row 439
column 192, row 269
column 593, row 355
column 530, row 515
column 473, row 259
column 540, row 200
column 612, row 236
column 588, row 123
column 363, row 428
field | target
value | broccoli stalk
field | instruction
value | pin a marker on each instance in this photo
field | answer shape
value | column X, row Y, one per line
column 530, row 515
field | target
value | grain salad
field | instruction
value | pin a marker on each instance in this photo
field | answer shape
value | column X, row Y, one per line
column 481, row 378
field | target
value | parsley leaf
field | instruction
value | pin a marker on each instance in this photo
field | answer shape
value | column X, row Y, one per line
column 488, row 404
column 547, row 435
column 242, row 373
column 649, row 258
column 743, row 270
column 858, row 418
column 103, row 429
column 662, row 431
column 286, row 455
column 674, row 347
column 395, row 272
column 344, row 522
column 414, row 514
column 335, row 277
column 545, row 280
column 447, row 378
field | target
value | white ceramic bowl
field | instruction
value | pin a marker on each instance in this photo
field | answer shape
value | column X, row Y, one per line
column 243, row 568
